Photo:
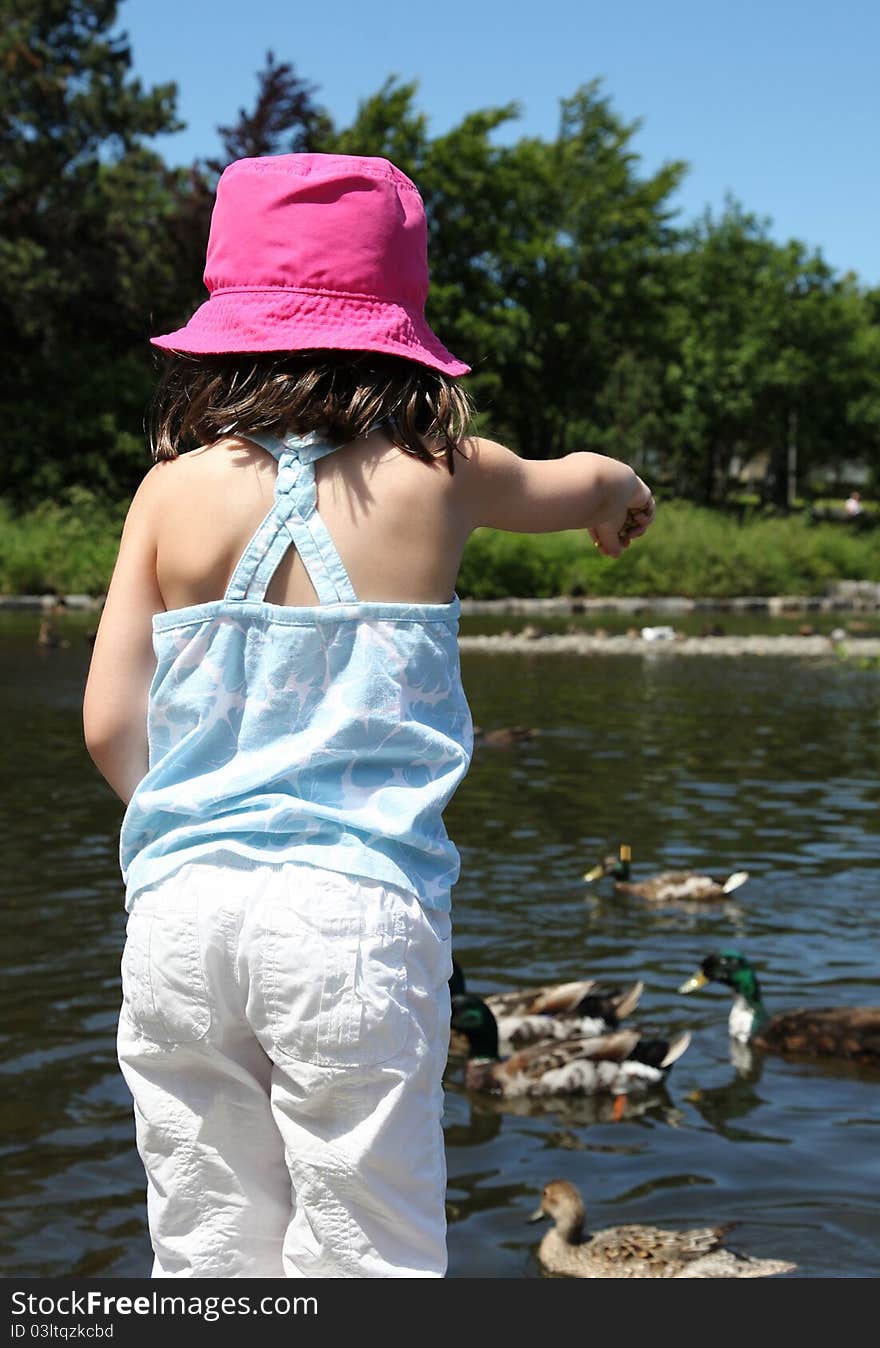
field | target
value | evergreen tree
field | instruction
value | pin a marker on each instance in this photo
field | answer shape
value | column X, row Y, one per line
column 83, row 208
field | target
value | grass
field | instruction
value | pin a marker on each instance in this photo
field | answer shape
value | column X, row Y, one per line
column 70, row 547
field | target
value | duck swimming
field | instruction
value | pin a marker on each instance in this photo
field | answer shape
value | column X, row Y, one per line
column 556, row 1011
column 616, row 1063
column 668, row 886
column 850, row 1033
column 637, row 1251
column 504, row 736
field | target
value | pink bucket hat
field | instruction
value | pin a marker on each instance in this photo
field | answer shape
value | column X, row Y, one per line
column 315, row 251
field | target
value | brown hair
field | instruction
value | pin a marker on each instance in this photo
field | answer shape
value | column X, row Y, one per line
column 342, row 394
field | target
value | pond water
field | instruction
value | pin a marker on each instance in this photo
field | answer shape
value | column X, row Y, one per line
column 700, row 623
column 765, row 765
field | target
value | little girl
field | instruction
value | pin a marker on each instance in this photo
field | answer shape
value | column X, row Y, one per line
column 275, row 692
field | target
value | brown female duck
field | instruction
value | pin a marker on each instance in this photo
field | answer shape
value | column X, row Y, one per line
column 637, row 1251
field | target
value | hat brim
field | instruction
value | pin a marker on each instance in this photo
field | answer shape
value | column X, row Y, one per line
column 257, row 321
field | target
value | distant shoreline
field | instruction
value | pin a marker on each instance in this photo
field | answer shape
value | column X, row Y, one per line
column 533, row 641
column 843, row 597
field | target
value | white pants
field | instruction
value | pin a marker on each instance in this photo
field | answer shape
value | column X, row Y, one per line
column 283, row 1032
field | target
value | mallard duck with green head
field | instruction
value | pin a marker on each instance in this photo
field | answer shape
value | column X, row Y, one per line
column 668, row 886
column 615, row 1063
column 851, row 1033
column 637, row 1251
column 556, row 1011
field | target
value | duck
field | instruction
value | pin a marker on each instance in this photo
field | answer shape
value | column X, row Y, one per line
column 616, row 1063
column 557, row 1011
column 667, row 887
column 849, row 1033
column 504, row 736
column 637, row 1251
column 49, row 635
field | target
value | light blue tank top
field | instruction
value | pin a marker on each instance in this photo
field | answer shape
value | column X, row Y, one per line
column 334, row 734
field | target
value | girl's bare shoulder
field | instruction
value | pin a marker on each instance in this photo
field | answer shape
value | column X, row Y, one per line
column 198, row 473
column 217, row 460
column 486, row 472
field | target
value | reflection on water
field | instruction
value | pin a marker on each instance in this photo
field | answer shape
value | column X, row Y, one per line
column 767, row 765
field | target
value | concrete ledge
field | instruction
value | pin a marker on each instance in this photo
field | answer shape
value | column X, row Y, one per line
column 851, row 596
column 623, row 645
column 36, row 602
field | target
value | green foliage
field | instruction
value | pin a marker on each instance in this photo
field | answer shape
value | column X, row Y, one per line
column 689, row 551
column 497, row 565
column 83, row 211
column 68, row 546
column 769, row 344
column 551, row 262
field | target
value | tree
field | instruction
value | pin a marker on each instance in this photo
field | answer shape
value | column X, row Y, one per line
column 285, row 119
column 82, row 206
column 552, row 260
column 386, row 125
column 770, row 345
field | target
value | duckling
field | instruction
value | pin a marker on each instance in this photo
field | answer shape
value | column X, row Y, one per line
column 851, row 1033
column 558, row 1011
column 617, row 1063
column 669, row 886
column 637, row 1251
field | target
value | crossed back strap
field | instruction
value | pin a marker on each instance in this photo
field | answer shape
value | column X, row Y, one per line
column 293, row 519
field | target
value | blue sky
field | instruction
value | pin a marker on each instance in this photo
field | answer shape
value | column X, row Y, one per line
column 776, row 102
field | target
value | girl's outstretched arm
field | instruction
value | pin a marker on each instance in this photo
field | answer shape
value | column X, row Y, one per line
column 123, row 663
column 531, row 496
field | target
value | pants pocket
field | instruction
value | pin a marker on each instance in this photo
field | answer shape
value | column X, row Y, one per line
column 335, row 977
column 164, row 994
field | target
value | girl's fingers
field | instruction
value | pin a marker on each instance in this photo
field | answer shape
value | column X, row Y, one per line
column 612, row 541
column 606, row 537
column 638, row 521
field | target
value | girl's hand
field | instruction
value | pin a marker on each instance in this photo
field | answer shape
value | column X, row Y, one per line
column 613, row 536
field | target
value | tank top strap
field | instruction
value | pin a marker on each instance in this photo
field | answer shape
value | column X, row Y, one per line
column 293, row 518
